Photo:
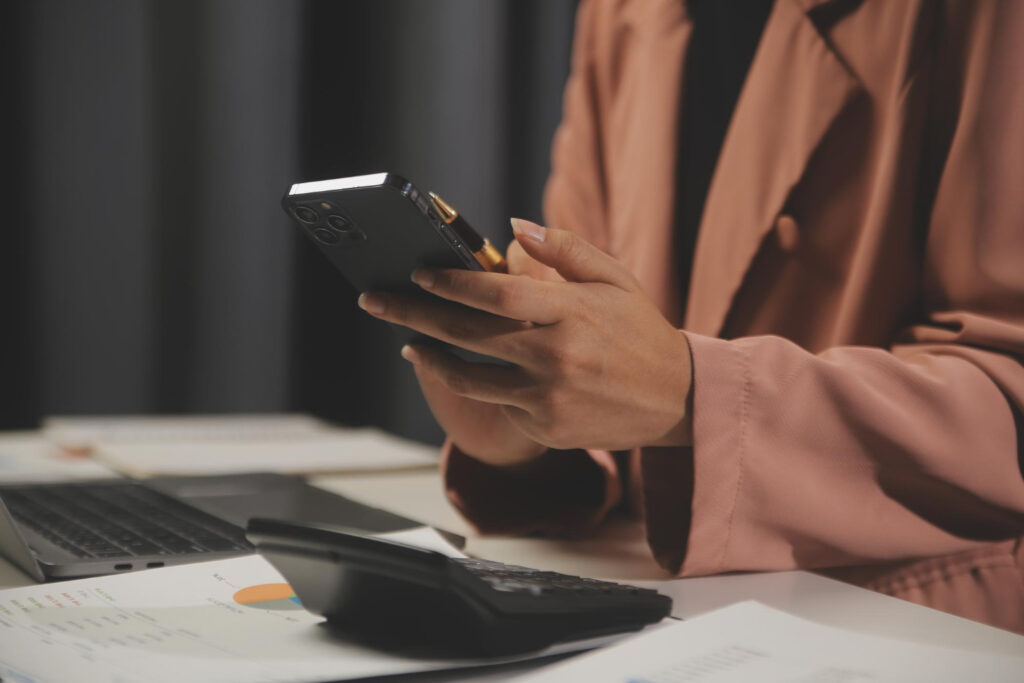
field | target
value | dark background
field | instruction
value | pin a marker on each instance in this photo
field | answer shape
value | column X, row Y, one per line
column 146, row 266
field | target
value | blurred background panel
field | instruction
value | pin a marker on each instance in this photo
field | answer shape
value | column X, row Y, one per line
column 146, row 264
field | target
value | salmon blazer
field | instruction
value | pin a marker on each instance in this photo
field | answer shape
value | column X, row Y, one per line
column 856, row 307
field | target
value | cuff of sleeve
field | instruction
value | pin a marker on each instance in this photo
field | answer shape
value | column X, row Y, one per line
column 721, row 411
column 560, row 493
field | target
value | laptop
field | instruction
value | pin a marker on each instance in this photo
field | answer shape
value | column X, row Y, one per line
column 74, row 530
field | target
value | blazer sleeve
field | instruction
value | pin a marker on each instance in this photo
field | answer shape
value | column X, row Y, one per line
column 857, row 454
column 563, row 492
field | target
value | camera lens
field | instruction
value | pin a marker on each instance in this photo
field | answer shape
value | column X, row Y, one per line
column 339, row 222
column 326, row 236
column 306, row 214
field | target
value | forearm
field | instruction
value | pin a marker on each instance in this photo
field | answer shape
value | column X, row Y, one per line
column 851, row 456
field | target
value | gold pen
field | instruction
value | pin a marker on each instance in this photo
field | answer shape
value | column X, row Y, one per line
column 486, row 255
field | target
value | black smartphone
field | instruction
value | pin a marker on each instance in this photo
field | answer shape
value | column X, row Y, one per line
column 376, row 229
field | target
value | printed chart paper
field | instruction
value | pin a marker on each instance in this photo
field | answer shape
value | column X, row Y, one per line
column 229, row 620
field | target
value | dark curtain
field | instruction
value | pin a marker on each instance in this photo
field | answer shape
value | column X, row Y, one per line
column 147, row 266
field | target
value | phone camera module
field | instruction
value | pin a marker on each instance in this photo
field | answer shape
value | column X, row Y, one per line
column 325, row 236
column 306, row 214
column 339, row 223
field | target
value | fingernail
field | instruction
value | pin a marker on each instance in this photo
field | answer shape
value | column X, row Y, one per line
column 424, row 278
column 371, row 304
column 528, row 229
column 410, row 354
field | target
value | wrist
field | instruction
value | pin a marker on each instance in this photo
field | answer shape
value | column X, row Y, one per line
column 681, row 433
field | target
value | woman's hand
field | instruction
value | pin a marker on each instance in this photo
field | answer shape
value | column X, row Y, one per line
column 597, row 365
column 483, row 430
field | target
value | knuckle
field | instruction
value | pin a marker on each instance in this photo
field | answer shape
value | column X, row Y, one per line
column 449, row 280
column 568, row 246
column 575, row 249
column 506, row 297
column 442, row 280
column 455, row 328
column 518, row 347
column 559, row 361
column 562, row 357
column 397, row 307
column 456, row 383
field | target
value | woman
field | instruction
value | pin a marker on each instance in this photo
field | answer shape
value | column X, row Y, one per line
column 815, row 363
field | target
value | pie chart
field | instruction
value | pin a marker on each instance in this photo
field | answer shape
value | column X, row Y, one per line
column 276, row 596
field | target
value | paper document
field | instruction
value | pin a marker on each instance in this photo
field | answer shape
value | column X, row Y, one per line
column 752, row 642
column 30, row 458
column 423, row 537
column 208, row 445
column 82, row 432
column 337, row 450
column 230, row 620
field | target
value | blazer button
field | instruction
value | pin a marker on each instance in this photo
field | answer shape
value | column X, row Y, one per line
column 787, row 232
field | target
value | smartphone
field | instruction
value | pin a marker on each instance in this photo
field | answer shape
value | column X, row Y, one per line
column 376, row 229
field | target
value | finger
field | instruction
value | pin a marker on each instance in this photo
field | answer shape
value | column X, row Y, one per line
column 464, row 327
column 478, row 381
column 511, row 296
column 521, row 263
column 573, row 257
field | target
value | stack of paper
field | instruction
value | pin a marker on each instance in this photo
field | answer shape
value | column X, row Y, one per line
column 27, row 457
column 206, row 445
column 84, row 432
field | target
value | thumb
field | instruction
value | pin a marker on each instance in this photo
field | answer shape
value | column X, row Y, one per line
column 521, row 263
column 575, row 259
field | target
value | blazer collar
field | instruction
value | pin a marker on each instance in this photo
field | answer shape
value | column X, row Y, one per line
column 796, row 88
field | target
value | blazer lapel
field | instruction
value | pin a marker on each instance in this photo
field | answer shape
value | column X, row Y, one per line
column 795, row 89
column 643, row 124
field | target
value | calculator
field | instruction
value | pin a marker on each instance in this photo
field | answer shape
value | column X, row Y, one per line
column 395, row 596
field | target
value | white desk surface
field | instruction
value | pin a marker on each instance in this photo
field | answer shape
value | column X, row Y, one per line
column 619, row 553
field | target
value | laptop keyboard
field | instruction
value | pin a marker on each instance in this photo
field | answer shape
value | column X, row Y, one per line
column 118, row 520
